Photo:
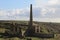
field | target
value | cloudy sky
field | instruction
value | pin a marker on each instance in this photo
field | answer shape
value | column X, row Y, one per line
column 43, row 10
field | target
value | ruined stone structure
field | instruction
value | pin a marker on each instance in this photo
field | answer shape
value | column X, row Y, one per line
column 15, row 30
column 32, row 26
column 34, row 29
column 29, row 31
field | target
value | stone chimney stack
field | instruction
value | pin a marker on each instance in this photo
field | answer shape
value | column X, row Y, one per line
column 31, row 18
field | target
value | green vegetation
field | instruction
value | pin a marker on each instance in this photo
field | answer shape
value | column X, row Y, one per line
column 45, row 27
column 57, row 37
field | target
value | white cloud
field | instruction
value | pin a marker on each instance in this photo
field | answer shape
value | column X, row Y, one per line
column 53, row 10
column 57, row 20
column 47, row 2
column 15, row 11
column 40, row 3
column 53, row 2
column 48, row 6
column 12, row 12
column 44, row 11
